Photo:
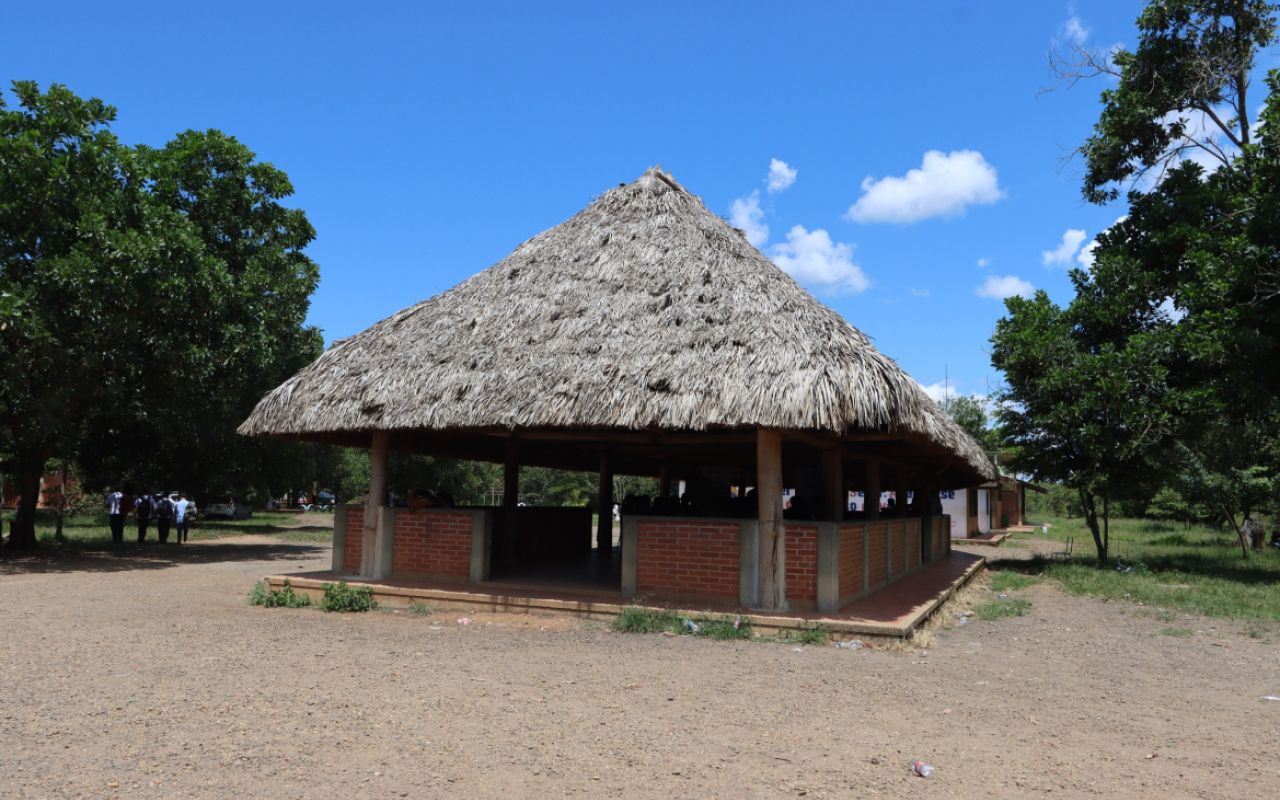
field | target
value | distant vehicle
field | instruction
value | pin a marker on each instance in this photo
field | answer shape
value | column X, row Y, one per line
column 227, row 508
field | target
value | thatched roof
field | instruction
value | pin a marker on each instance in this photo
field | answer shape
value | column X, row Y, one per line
column 644, row 312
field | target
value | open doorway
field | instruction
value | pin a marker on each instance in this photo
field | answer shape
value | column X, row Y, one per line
column 552, row 548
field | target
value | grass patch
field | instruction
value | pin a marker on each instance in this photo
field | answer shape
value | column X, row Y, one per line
column 420, row 608
column 1181, row 633
column 1196, row 570
column 997, row 608
column 1007, row 581
column 93, row 532
column 637, row 619
column 342, row 598
column 284, row 597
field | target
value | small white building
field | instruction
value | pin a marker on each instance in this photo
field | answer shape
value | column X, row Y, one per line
column 972, row 510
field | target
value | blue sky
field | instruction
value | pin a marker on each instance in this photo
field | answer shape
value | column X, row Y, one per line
column 897, row 154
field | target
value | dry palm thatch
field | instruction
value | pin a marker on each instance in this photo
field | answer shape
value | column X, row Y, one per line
column 645, row 311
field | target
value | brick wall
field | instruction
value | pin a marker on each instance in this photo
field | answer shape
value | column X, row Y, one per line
column 802, row 562
column 898, row 547
column 850, row 560
column 354, row 542
column 876, row 532
column 435, row 543
column 687, row 557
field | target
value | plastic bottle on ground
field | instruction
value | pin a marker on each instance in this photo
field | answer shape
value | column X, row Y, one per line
column 922, row 769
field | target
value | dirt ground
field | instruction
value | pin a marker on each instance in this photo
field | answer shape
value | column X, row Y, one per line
column 147, row 675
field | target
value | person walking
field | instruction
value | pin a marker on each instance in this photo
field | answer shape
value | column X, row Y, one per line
column 183, row 511
column 115, row 513
column 142, row 513
column 164, row 507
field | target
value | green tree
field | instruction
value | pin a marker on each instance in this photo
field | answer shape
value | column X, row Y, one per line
column 970, row 413
column 253, row 336
column 148, row 298
column 81, row 242
column 1184, row 90
column 1077, row 410
column 543, row 486
column 1191, row 275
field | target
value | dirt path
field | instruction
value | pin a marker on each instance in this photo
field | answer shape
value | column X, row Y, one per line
column 148, row 676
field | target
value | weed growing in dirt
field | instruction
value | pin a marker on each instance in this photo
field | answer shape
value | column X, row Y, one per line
column 1179, row 632
column 722, row 628
column 818, row 635
column 635, row 619
column 997, row 608
column 278, row 598
column 341, row 597
column 420, row 608
column 1005, row 581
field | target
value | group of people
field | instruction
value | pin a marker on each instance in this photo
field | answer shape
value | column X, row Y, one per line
column 169, row 515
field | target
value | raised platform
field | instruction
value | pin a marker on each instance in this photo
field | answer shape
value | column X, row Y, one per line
column 991, row 539
column 890, row 613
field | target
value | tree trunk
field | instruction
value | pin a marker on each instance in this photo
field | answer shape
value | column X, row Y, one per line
column 62, row 502
column 1106, row 527
column 1231, row 518
column 22, row 531
column 1091, row 519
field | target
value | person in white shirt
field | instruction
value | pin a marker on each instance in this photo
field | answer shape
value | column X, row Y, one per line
column 115, row 513
column 182, row 518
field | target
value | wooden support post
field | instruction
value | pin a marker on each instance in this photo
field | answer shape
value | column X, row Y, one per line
column 773, row 550
column 871, row 490
column 510, row 500
column 664, row 480
column 377, row 499
column 901, row 489
column 834, row 496
column 928, row 501
column 604, row 523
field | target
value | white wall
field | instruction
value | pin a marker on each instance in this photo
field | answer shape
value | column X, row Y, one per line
column 984, row 510
column 956, row 503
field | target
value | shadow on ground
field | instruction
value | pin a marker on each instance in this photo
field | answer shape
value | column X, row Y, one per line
column 152, row 556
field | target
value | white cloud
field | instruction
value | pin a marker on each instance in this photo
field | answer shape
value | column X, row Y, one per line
column 1075, row 30
column 942, row 187
column 813, row 259
column 984, row 262
column 943, row 389
column 745, row 213
column 998, row 288
column 919, row 292
column 937, row 391
column 780, row 175
column 1063, row 254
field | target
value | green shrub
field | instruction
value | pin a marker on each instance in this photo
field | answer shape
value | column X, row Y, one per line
column 341, row 597
column 279, row 598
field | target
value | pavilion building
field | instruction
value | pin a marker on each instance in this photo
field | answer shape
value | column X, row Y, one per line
column 644, row 336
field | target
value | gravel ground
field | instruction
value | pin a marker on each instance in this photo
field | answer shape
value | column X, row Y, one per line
column 147, row 675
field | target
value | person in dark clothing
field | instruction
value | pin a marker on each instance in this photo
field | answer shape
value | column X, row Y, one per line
column 142, row 513
column 164, row 510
